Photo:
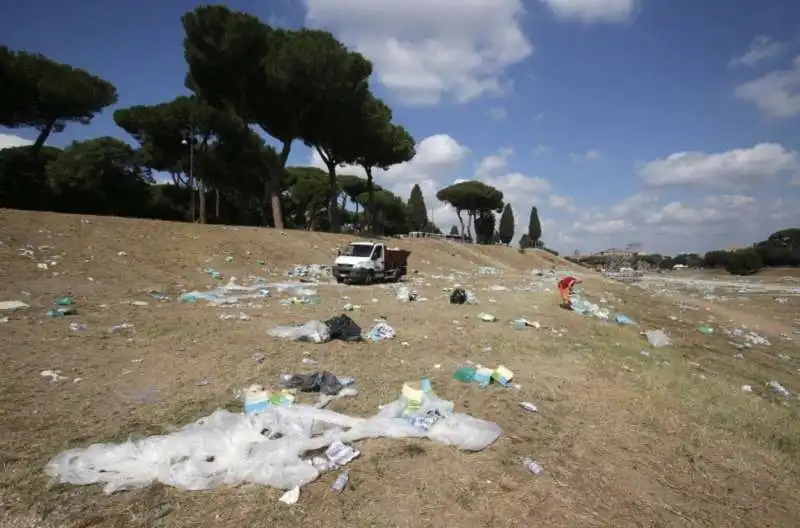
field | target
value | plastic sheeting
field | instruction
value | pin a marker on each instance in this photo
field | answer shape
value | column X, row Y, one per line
column 313, row 331
column 265, row 448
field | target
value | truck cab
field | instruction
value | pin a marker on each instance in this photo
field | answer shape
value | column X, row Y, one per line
column 367, row 262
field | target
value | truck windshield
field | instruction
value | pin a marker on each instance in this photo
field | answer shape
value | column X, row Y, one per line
column 358, row 250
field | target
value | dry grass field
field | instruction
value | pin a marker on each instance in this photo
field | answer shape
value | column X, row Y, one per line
column 627, row 434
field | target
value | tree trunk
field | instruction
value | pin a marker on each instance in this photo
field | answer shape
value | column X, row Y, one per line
column 216, row 205
column 274, row 185
column 202, row 198
column 333, row 201
column 370, row 200
column 460, row 221
column 44, row 133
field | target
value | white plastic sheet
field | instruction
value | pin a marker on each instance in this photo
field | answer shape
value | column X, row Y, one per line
column 266, row 448
column 313, row 331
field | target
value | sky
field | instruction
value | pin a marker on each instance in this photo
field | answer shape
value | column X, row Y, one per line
column 674, row 124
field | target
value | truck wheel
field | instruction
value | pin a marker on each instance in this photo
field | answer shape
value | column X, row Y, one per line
column 339, row 280
column 369, row 278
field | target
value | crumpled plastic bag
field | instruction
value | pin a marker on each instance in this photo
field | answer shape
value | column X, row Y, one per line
column 657, row 338
column 381, row 332
column 314, row 331
column 323, row 382
column 264, row 448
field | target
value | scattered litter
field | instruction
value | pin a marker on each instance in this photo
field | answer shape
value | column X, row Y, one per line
column 264, row 448
column 340, row 454
column 12, row 306
column 61, row 311
column 258, row 399
column 778, row 389
column 381, row 332
column 308, row 361
column 258, row 357
column 291, row 496
column 139, row 303
column 54, row 375
column 489, row 318
column 623, row 319
column 314, row 331
column 484, row 376
column 78, row 327
column 458, row 296
column 64, row 300
column 522, row 323
column 532, row 466
column 581, row 306
column 705, row 329
column 747, row 388
column 657, row 338
column 528, row 406
column 341, row 482
column 405, row 294
column 233, row 293
column 120, row 327
column 323, row 382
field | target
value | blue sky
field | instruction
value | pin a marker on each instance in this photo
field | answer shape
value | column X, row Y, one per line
column 673, row 123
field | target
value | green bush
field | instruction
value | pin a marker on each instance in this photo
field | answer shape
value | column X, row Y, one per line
column 743, row 262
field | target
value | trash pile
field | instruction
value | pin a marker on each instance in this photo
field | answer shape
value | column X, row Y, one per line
column 233, row 293
column 269, row 447
column 313, row 272
column 339, row 327
column 484, row 376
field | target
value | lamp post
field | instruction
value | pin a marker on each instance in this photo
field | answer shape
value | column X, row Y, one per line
column 191, row 176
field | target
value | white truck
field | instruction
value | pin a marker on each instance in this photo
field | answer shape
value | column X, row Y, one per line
column 367, row 262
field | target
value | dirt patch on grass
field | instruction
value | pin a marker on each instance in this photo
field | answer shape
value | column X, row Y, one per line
column 625, row 439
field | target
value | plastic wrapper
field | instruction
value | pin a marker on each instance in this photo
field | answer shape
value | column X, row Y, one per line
column 266, row 448
column 313, row 331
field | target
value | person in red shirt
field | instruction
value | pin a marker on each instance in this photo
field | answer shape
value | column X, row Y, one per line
column 565, row 287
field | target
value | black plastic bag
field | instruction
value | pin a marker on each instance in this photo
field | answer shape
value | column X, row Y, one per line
column 459, row 296
column 323, row 382
column 344, row 328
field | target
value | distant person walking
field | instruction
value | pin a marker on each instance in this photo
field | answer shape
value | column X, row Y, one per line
column 565, row 288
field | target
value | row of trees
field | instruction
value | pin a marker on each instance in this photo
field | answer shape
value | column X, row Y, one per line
column 780, row 249
column 244, row 76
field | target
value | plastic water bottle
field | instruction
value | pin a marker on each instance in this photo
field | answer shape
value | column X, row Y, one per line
column 341, row 482
column 532, row 466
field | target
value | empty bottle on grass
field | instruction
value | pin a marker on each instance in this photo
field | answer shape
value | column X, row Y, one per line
column 341, row 481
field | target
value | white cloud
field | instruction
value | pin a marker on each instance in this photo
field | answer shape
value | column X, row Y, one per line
column 776, row 94
column 710, row 209
column 493, row 163
column 762, row 48
column 541, row 149
column 563, row 203
column 588, row 156
column 438, row 157
column 733, row 168
column 593, row 11
column 12, row 141
column 425, row 52
column 519, row 190
column 710, row 222
column 498, row 113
